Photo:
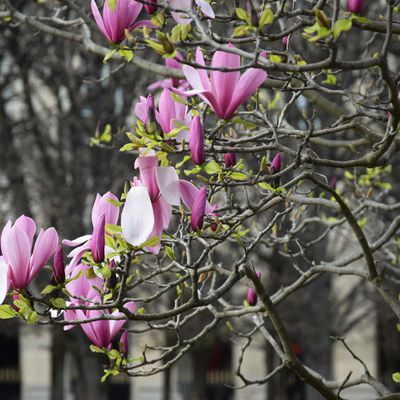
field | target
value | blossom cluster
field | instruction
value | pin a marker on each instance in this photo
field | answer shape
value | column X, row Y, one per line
column 135, row 221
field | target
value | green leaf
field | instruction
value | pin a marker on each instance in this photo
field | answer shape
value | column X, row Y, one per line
column 170, row 253
column 241, row 30
column 275, row 58
column 242, row 14
column 151, row 242
column 48, row 289
column 330, row 78
column 238, row 176
column 58, row 302
column 341, row 25
column 7, row 312
column 113, row 229
column 128, row 147
column 32, row 317
column 267, row 17
column 126, row 53
column 109, row 55
column 95, row 349
column 212, row 167
column 113, row 354
column 396, row 377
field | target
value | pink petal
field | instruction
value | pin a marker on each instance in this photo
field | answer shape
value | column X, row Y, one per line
column 116, row 325
column 102, row 206
column 28, row 226
column 206, row 9
column 224, row 83
column 168, row 183
column 147, row 167
column 99, row 19
column 205, row 82
column 77, row 241
column 162, row 216
column 45, row 246
column 166, row 111
column 4, row 281
column 137, row 219
column 18, row 253
column 248, row 83
column 189, row 193
column 180, row 18
column 4, row 234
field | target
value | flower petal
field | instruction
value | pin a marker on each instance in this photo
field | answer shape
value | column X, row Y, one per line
column 137, row 219
column 224, row 83
column 248, row 83
column 205, row 8
column 168, row 183
column 28, row 226
column 18, row 253
column 189, row 193
column 103, row 206
column 45, row 246
column 99, row 19
column 4, row 281
column 77, row 241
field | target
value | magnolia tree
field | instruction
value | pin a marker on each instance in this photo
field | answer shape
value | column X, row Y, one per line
column 266, row 133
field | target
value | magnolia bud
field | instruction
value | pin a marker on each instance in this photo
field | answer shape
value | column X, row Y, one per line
column 196, row 140
column 355, row 6
column 149, row 8
column 229, row 159
column 252, row 295
column 97, row 242
column 59, row 266
column 275, row 167
column 198, row 209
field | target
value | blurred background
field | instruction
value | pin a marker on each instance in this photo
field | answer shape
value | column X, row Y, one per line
column 54, row 95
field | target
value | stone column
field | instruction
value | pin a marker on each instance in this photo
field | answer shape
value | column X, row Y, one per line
column 35, row 362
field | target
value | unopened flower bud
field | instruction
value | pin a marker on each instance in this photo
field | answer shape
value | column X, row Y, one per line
column 150, row 9
column 59, row 266
column 196, row 140
column 229, row 159
column 355, row 6
column 97, row 242
column 198, row 209
column 252, row 295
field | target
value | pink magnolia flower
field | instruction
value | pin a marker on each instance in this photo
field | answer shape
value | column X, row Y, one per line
column 113, row 23
column 196, row 141
column 168, row 115
column 223, row 91
column 16, row 247
column 355, row 6
column 4, row 281
column 147, row 211
column 103, row 331
column 183, row 18
column 101, row 206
